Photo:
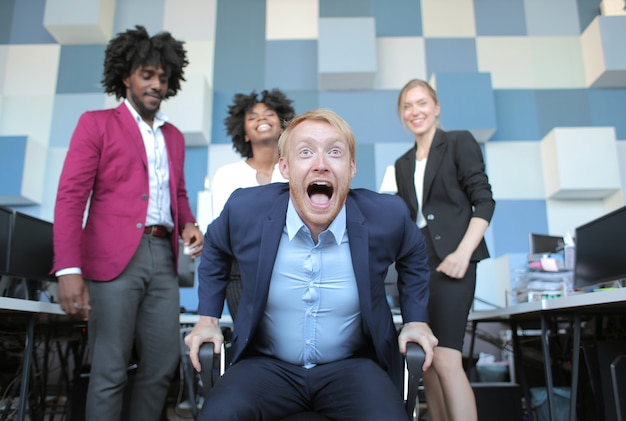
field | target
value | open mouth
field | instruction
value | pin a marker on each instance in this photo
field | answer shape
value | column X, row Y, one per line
column 320, row 192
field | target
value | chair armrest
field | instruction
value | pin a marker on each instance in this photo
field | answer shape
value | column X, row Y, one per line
column 208, row 363
column 415, row 357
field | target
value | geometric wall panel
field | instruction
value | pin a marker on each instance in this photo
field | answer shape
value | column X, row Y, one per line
column 552, row 18
column 80, row 21
column 531, row 62
column 190, row 110
column 300, row 73
column 397, row 18
column 450, row 18
column 347, row 53
column 190, row 20
column 519, row 178
column 604, row 52
column 27, row 116
column 395, row 66
column 500, row 18
column 80, row 69
column 31, row 69
column 612, row 8
column 22, row 169
column 580, row 163
column 565, row 215
column 467, row 103
column 291, row 20
column 450, row 55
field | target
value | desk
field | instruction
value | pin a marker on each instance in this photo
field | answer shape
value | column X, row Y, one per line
column 30, row 310
column 573, row 306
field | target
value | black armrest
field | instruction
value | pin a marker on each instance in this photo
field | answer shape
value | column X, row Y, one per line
column 209, row 365
column 415, row 357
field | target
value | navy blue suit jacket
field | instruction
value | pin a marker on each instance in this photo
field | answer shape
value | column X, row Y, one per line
column 380, row 232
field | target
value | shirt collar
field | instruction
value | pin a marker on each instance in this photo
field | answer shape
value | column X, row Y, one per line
column 294, row 223
column 159, row 117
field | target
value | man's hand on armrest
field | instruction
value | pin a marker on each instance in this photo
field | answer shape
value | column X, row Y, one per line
column 418, row 332
column 206, row 330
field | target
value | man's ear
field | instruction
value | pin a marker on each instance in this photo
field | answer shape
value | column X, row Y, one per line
column 283, row 167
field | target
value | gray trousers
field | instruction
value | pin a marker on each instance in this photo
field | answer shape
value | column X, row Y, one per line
column 140, row 308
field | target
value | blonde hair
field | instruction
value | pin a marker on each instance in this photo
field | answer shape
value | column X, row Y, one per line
column 320, row 114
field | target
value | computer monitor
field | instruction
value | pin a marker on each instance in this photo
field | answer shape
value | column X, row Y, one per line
column 25, row 246
column 601, row 250
column 543, row 244
column 6, row 222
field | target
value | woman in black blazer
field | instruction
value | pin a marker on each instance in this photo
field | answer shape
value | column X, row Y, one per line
column 443, row 182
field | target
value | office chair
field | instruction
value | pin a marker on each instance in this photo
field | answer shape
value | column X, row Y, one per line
column 213, row 365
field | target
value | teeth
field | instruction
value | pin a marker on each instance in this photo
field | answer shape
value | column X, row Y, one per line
column 320, row 183
column 263, row 127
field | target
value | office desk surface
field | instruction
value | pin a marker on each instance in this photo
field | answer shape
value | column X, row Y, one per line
column 604, row 299
column 8, row 304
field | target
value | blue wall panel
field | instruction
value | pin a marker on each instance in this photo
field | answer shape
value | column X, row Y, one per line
column 239, row 54
column 608, row 108
column 365, row 176
column 67, row 110
column 303, row 100
column 80, row 69
column 291, row 64
column 516, row 115
column 497, row 17
column 587, row 12
column 196, row 168
column 12, row 155
column 344, row 8
column 450, row 55
column 397, row 18
column 562, row 108
column 371, row 114
column 148, row 13
column 513, row 220
column 221, row 101
column 27, row 27
column 7, row 8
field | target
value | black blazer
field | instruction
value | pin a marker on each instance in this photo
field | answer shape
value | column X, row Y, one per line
column 456, row 188
column 380, row 231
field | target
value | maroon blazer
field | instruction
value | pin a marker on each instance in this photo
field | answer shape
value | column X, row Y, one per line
column 106, row 169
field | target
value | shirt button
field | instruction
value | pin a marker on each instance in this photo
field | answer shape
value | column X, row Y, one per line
column 308, row 342
column 430, row 217
column 139, row 225
column 144, row 197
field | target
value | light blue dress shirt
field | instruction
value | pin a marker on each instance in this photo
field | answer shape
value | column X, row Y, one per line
column 313, row 313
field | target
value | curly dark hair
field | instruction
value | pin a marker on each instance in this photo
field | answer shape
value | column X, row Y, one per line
column 134, row 48
column 242, row 104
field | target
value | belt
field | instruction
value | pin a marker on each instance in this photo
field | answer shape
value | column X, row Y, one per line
column 156, row 231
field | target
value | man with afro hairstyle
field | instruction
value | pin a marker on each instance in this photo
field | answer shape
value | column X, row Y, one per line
column 116, row 265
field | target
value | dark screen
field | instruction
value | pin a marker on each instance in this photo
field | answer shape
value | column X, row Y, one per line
column 31, row 249
column 601, row 250
column 541, row 243
column 6, row 220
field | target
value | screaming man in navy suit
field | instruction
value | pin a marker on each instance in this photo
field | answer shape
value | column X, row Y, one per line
column 370, row 230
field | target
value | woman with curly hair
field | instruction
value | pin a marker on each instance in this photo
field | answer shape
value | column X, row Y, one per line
column 254, row 123
column 118, row 269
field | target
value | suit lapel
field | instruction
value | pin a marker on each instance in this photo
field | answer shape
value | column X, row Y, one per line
column 272, row 230
column 435, row 156
column 359, row 250
column 131, row 132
